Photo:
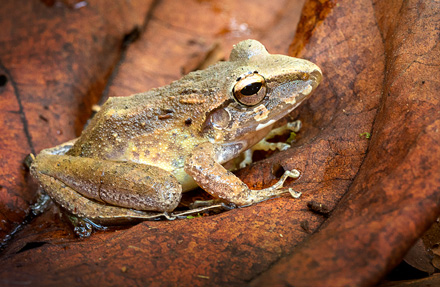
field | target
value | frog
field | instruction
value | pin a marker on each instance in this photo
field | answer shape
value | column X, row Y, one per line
column 139, row 153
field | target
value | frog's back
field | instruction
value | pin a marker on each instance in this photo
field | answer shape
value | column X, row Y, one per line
column 153, row 126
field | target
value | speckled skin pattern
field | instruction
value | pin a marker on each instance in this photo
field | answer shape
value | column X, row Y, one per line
column 139, row 153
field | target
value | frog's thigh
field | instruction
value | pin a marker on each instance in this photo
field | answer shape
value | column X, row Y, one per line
column 83, row 207
column 124, row 184
column 221, row 183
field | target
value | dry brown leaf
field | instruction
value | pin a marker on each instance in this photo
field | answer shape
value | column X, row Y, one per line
column 379, row 61
column 420, row 258
column 424, row 282
column 55, row 60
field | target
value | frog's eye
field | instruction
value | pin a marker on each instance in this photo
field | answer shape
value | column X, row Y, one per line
column 250, row 89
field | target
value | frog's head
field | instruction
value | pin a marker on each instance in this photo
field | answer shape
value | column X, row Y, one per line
column 263, row 88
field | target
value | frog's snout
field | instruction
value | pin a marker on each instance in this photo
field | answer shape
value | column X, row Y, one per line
column 312, row 70
column 316, row 76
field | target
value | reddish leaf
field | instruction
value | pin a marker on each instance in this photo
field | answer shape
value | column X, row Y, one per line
column 55, row 60
column 377, row 80
column 395, row 196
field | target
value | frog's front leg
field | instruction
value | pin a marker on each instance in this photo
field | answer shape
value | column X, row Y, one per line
column 77, row 182
column 293, row 127
column 223, row 184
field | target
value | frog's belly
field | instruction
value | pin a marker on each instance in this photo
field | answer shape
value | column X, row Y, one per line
column 172, row 165
column 185, row 180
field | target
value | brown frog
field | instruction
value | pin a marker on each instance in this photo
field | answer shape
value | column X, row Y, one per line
column 139, row 153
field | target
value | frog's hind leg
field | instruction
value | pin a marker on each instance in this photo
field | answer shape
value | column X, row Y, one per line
column 95, row 211
column 88, row 187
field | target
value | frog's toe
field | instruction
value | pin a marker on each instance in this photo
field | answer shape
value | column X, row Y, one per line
column 84, row 227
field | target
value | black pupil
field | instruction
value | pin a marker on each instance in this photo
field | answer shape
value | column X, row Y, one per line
column 251, row 89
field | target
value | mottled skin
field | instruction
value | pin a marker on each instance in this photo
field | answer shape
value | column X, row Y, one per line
column 140, row 152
